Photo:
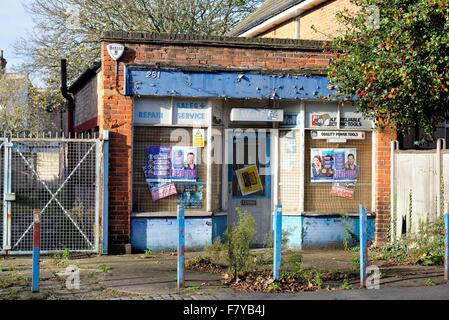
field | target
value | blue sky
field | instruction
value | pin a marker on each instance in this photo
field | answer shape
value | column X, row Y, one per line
column 14, row 23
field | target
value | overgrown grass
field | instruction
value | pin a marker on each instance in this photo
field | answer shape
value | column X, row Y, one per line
column 426, row 247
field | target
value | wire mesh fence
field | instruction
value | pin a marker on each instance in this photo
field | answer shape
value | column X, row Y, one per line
column 60, row 177
column 2, row 143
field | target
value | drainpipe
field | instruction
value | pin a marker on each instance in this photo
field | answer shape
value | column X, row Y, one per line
column 68, row 97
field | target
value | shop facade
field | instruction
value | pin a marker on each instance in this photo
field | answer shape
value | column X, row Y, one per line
column 226, row 123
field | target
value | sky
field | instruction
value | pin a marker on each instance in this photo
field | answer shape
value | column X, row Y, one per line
column 14, row 23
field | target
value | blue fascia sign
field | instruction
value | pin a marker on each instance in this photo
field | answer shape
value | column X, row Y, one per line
column 145, row 81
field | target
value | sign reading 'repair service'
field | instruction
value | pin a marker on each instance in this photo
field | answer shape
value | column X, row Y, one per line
column 166, row 112
column 265, row 115
column 348, row 135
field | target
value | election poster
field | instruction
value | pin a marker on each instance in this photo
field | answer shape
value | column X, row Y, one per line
column 343, row 190
column 333, row 165
column 191, row 194
column 184, row 166
column 249, row 180
column 158, row 166
column 162, row 191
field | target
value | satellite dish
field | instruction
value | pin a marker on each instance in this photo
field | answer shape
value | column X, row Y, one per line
column 116, row 50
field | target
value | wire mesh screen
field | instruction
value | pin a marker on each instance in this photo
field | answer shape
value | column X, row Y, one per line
column 289, row 173
column 60, row 179
column 1, row 192
column 145, row 137
column 317, row 196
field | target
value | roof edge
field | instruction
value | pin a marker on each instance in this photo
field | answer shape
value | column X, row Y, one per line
column 219, row 41
column 84, row 77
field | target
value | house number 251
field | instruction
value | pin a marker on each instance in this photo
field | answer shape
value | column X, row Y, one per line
column 154, row 74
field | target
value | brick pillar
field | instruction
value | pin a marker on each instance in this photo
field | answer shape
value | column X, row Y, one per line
column 383, row 139
column 117, row 118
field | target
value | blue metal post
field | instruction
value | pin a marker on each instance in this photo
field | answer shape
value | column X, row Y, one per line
column 363, row 246
column 277, row 230
column 181, row 246
column 446, row 245
column 105, row 211
column 36, row 250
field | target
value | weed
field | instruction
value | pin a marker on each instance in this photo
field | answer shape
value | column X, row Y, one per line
column 429, row 282
column 317, row 280
column 215, row 250
column 61, row 259
column 198, row 260
column 148, row 253
column 273, row 287
column 238, row 239
column 346, row 285
column 104, row 267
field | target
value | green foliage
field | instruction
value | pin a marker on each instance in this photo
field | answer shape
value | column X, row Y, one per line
column 148, row 253
column 238, row 239
column 104, row 267
column 429, row 282
column 199, row 260
column 426, row 247
column 346, row 285
column 61, row 259
column 398, row 68
column 215, row 250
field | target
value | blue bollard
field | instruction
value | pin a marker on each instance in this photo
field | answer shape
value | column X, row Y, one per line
column 181, row 246
column 277, row 238
column 446, row 245
column 363, row 246
column 36, row 250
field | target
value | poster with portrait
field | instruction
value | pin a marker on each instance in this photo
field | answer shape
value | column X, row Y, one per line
column 333, row 165
column 184, row 164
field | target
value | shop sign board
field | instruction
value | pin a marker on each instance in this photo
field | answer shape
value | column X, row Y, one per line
column 347, row 135
column 152, row 111
column 192, row 113
column 249, row 180
column 257, row 115
column 291, row 120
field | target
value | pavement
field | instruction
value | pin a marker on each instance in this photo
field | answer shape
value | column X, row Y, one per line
column 139, row 277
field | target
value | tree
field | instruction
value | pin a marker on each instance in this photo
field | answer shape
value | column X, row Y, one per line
column 73, row 28
column 24, row 108
column 396, row 70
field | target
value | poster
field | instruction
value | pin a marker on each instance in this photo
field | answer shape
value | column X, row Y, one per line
column 158, row 166
column 329, row 165
column 191, row 194
column 249, row 180
column 184, row 166
column 199, row 138
column 343, row 190
column 162, row 191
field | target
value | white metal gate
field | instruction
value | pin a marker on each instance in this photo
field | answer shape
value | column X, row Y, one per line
column 60, row 177
column 419, row 187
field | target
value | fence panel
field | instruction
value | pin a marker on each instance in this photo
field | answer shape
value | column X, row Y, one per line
column 417, row 187
column 61, row 178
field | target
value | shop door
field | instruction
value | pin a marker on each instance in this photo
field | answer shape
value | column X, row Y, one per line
column 245, row 151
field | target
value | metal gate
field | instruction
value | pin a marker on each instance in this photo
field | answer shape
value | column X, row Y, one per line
column 60, row 177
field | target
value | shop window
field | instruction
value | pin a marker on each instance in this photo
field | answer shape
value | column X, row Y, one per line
column 289, row 170
column 192, row 192
column 318, row 196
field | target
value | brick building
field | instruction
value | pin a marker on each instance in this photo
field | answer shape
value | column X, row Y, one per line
column 231, row 103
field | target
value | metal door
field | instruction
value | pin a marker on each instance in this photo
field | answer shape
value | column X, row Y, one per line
column 246, row 148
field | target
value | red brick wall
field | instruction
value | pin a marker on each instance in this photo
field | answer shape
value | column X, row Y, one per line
column 86, row 100
column 383, row 166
